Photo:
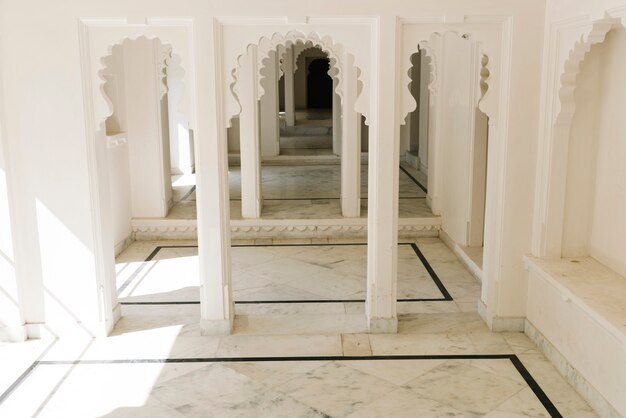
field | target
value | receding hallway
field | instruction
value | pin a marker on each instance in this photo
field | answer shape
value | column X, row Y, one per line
column 302, row 192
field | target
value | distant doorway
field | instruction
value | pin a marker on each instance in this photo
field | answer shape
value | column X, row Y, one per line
column 319, row 85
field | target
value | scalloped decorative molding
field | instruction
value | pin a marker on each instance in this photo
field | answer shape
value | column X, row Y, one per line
column 485, row 74
column 409, row 103
column 308, row 46
column 494, row 35
column 190, row 227
column 571, row 67
column 164, row 60
column 432, row 66
column 162, row 63
column 335, row 52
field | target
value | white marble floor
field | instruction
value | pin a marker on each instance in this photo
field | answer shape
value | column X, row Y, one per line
column 312, row 134
column 288, row 359
column 302, row 192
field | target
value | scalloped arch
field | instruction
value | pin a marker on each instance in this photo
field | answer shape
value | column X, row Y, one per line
column 297, row 56
column 164, row 61
column 485, row 72
column 571, row 67
column 335, row 52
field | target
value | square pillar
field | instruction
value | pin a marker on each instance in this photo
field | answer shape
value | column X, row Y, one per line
column 249, row 136
column 382, row 219
column 336, row 119
column 270, row 132
column 147, row 130
column 217, row 310
column 290, row 99
column 350, row 144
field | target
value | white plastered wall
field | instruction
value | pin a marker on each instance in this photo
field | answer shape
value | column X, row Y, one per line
column 11, row 319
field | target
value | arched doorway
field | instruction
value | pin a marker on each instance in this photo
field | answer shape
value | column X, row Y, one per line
column 319, row 85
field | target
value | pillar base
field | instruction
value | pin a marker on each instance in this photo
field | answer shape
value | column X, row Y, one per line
column 216, row 326
column 500, row 323
column 382, row 325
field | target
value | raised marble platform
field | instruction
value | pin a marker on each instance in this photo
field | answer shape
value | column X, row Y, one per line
column 577, row 314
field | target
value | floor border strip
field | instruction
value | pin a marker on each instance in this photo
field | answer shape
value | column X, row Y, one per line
column 446, row 297
column 514, row 359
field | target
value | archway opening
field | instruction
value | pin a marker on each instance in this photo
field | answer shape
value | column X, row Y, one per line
column 298, row 189
column 147, row 137
column 319, row 84
column 443, row 160
column 311, row 134
column 297, row 174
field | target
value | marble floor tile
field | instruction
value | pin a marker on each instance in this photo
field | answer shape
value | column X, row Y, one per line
column 301, row 324
column 556, row 388
column 404, row 403
column 523, row 404
column 279, row 345
column 465, row 387
column 274, row 373
column 461, row 322
column 356, row 345
column 196, row 394
column 336, row 389
column 397, row 372
column 422, row 344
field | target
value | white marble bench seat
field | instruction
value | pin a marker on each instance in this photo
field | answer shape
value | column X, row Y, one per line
column 579, row 305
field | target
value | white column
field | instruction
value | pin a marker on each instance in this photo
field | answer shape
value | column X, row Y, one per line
column 212, row 194
column 336, row 119
column 151, row 182
column 382, row 219
column 181, row 143
column 248, row 84
column 270, row 132
column 290, row 100
column 350, row 144
column 423, row 111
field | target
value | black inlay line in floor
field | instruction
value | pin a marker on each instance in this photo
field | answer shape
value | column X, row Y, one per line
column 237, row 199
column 414, row 179
column 139, row 269
column 446, row 295
column 18, row 382
column 289, row 301
column 432, row 273
column 534, row 386
column 517, row 363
